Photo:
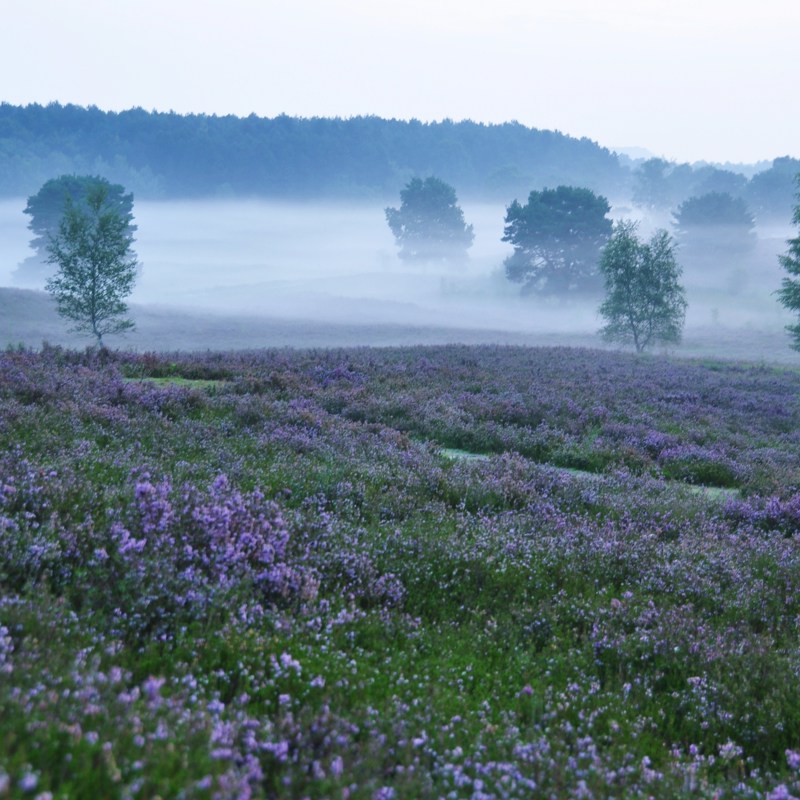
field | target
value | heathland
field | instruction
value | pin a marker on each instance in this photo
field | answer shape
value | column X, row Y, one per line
column 402, row 572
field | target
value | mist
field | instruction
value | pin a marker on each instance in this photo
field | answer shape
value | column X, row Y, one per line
column 326, row 262
column 337, row 263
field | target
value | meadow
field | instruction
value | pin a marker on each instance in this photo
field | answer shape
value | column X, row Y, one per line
column 409, row 572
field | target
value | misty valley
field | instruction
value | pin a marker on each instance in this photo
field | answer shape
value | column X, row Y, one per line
column 336, row 263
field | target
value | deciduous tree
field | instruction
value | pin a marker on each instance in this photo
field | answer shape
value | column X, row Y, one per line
column 770, row 193
column 715, row 224
column 651, row 187
column 644, row 302
column 96, row 265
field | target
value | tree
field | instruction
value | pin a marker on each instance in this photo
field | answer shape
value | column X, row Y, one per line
column 557, row 236
column 770, row 192
column 46, row 209
column 644, row 301
column 715, row 224
column 716, row 233
column 96, row 266
column 651, row 185
column 169, row 154
column 713, row 179
column 429, row 225
column 789, row 293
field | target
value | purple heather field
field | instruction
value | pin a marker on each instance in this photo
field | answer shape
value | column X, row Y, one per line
column 421, row 572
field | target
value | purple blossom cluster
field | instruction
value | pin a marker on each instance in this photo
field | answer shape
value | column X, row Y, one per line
column 159, row 555
column 767, row 513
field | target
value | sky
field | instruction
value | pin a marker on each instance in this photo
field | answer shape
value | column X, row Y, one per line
column 689, row 80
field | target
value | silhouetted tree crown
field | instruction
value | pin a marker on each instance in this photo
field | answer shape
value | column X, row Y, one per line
column 651, row 186
column 557, row 237
column 429, row 225
column 46, row 210
column 770, row 193
column 174, row 155
column 715, row 223
column 198, row 155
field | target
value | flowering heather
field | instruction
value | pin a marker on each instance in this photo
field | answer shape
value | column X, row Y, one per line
column 273, row 574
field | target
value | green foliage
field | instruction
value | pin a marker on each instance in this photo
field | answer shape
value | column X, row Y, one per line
column 714, row 208
column 660, row 184
column 789, row 293
column 429, row 225
column 96, row 266
column 557, row 237
column 644, row 301
column 46, row 209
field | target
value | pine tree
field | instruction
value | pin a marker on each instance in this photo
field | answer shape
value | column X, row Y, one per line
column 789, row 293
column 429, row 225
column 557, row 236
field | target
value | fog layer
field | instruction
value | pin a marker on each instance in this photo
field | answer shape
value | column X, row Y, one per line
column 324, row 262
column 338, row 263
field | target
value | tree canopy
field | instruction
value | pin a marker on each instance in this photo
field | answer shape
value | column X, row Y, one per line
column 714, row 208
column 789, row 293
column 159, row 154
column 96, row 266
column 644, row 302
column 557, row 237
column 714, row 179
column 429, row 225
column 715, row 224
column 651, row 187
column 46, row 210
column 770, row 193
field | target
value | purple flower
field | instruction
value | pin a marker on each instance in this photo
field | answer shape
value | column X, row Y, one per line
column 152, row 688
column 28, row 782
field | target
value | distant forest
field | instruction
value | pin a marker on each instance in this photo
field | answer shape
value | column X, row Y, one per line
column 169, row 155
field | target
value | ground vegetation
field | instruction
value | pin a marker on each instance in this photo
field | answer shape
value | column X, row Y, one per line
column 261, row 574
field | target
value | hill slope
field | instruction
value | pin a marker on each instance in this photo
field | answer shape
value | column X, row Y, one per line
column 172, row 155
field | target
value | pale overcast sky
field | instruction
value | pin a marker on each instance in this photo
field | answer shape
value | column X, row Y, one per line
column 688, row 79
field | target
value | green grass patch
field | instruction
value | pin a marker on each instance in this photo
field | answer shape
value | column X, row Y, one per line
column 454, row 454
column 177, row 380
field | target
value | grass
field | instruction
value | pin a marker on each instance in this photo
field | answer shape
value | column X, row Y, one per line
column 29, row 318
column 717, row 493
column 260, row 574
column 455, row 454
column 177, row 380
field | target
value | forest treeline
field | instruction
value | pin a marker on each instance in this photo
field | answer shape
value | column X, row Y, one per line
column 170, row 155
